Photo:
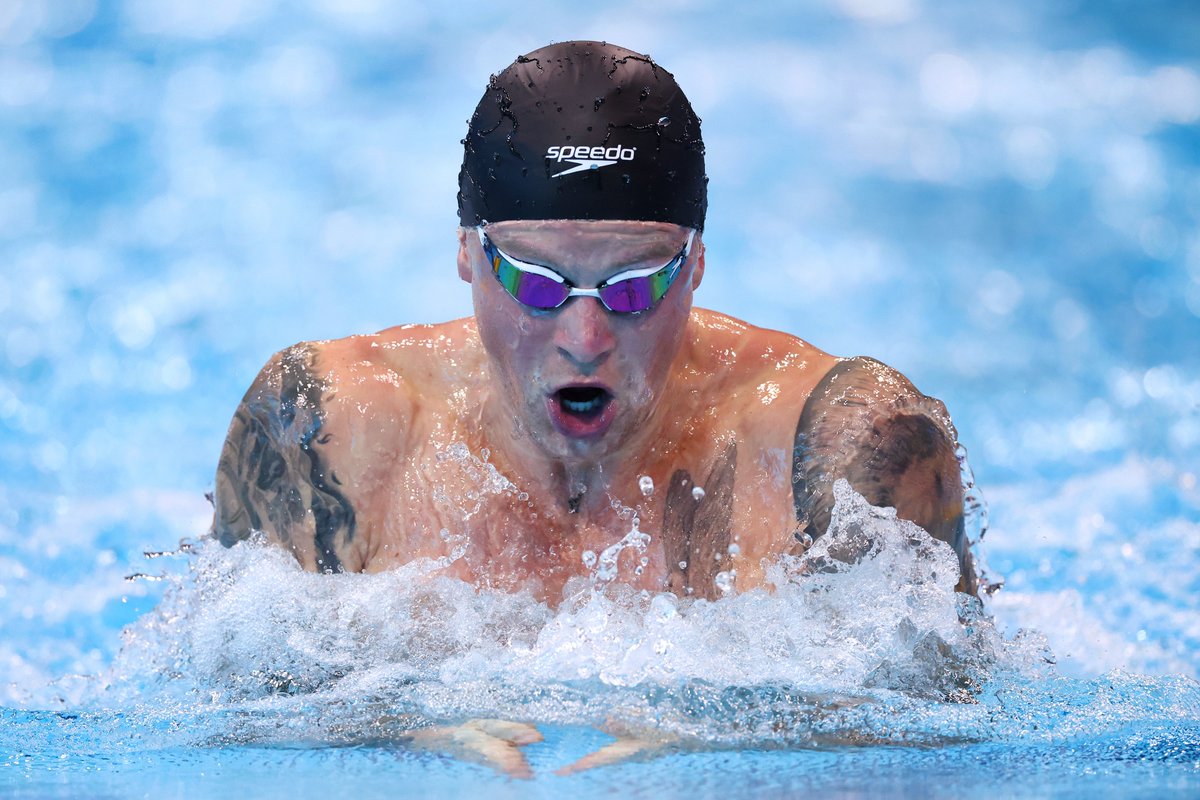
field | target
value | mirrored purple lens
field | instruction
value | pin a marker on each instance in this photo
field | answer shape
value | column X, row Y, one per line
column 539, row 291
column 629, row 296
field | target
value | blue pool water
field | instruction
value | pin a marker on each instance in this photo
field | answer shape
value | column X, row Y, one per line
column 1000, row 200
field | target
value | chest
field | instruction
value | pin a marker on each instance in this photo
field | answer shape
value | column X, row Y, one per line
column 694, row 529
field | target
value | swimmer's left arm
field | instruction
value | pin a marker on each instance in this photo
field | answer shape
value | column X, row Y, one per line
column 867, row 423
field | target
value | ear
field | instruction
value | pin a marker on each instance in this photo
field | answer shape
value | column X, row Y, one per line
column 698, row 272
column 464, row 257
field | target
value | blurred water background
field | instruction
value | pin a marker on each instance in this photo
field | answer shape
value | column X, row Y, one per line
column 999, row 199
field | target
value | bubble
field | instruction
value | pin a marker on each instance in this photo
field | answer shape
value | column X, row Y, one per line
column 1151, row 297
column 1175, row 92
column 734, row 549
column 134, row 326
column 697, row 493
column 589, row 558
column 683, row 565
column 51, row 456
column 1160, row 382
column 949, row 84
column 664, row 122
column 1000, row 292
column 725, row 581
column 1069, row 320
column 1126, row 388
column 68, row 17
column 176, row 373
column 646, row 484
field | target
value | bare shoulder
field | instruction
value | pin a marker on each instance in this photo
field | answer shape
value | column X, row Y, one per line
column 320, row 433
column 756, row 365
column 272, row 476
column 313, row 437
column 865, row 422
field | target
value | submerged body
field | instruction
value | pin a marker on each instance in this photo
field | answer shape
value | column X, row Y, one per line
column 369, row 452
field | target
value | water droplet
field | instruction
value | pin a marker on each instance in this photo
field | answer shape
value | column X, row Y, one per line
column 589, row 558
column 683, row 565
column 697, row 493
column 806, row 540
column 734, row 550
column 523, row 496
column 646, row 484
column 725, row 581
column 663, row 607
column 664, row 122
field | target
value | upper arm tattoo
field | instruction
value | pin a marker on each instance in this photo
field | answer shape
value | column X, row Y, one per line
column 272, row 476
column 867, row 423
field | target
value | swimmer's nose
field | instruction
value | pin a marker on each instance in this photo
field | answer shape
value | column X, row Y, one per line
column 584, row 333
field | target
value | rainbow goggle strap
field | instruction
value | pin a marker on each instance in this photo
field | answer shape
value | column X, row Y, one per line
column 628, row 292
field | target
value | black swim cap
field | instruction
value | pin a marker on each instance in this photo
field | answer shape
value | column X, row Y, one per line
column 583, row 130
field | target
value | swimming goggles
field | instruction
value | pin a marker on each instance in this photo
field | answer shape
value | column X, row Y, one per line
column 629, row 292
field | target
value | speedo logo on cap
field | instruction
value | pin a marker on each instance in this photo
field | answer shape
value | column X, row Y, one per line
column 585, row 157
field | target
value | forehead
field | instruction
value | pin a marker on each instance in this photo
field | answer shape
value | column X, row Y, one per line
column 584, row 241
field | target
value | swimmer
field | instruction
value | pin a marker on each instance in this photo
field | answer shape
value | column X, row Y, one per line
column 585, row 385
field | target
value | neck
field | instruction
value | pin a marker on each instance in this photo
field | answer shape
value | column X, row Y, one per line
column 579, row 486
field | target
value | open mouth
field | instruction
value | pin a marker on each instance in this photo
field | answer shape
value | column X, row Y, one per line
column 583, row 401
column 582, row 412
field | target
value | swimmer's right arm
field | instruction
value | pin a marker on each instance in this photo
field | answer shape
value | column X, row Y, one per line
column 274, row 474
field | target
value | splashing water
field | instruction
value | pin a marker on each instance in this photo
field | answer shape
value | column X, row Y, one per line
column 606, row 565
column 860, row 639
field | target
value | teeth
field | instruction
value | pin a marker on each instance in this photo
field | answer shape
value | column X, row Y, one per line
column 581, row 406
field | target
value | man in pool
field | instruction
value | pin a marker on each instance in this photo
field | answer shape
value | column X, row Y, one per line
column 585, row 377
column 518, row 441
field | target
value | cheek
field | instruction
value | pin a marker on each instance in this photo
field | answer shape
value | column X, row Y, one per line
column 650, row 350
column 509, row 335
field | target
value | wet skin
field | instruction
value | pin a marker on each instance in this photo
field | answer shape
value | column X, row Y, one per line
column 345, row 451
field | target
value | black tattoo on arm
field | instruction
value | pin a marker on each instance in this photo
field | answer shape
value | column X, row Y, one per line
column 272, row 476
column 697, row 533
column 867, row 423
